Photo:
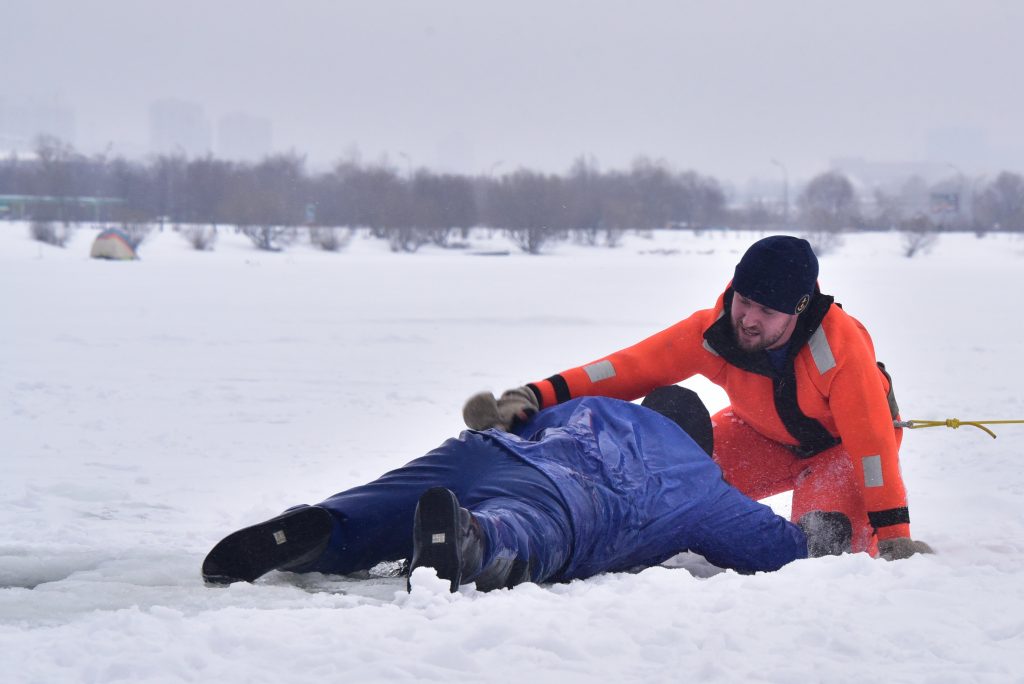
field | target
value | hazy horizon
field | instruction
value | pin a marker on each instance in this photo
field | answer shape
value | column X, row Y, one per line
column 736, row 90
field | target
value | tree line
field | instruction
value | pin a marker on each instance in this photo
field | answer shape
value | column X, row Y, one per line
column 276, row 194
column 268, row 200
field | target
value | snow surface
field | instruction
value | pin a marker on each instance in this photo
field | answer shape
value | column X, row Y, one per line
column 150, row 408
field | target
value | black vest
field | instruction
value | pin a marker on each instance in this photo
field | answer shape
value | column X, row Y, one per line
column 812, row 436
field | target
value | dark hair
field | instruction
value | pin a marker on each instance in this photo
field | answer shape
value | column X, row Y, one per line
column 685, row 408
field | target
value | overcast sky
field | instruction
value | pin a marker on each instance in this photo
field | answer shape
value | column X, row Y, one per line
column 721, row 87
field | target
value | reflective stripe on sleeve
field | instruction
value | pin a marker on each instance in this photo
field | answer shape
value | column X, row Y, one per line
column 872, row 471
column 602, row 370
column 821, row 351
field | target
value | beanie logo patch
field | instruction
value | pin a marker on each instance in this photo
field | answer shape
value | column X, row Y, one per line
column 802, row 304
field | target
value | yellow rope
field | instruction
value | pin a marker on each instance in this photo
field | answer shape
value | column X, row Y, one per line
column 954, row 423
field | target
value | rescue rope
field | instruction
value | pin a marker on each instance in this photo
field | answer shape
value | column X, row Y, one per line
column 953, row 423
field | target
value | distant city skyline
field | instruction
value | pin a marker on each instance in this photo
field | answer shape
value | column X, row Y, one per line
column 733, row 89
column 180, row 126
column 174, row 126
column 722, row 88
column 21, row 122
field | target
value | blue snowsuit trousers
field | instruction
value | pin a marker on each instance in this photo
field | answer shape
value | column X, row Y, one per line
column 592, row 485
column 518, row 507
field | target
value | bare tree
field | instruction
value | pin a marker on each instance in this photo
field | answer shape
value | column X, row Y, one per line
column 406, row 238
column 756, row 214
column 269, row 238
column 267, row 201
column 354, row 195
column 51, row 233
column 828, row 203
column 888, row 211
column 280, row 195
column 531, row 209
column 169, row 188
column 14, row 175
column 205, row 185
column 1000, row 206
column 919, row 235
column 584, row 201
column 373, row 196
column 55, row 181
column 657, row 198
column 442, row 206
column 704, row 201
column 202, row 238
column 827, row 206
column 330, row 239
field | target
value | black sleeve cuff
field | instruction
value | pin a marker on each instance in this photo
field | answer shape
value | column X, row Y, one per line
column 893, row 516
column 561, row 388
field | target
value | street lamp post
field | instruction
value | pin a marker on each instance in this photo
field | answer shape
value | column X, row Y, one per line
column 960, row 185
column 785, row 191
column 408, row 163
column 971, row 216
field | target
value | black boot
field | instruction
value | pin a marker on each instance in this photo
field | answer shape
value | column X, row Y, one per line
column 449, row 539
column 445, row 537
column 290, row 540
column 828, row 533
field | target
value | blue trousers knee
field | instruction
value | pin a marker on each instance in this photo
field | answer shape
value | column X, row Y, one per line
column 518, row 507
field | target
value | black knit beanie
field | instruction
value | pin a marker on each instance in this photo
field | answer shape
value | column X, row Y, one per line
column 779, row 272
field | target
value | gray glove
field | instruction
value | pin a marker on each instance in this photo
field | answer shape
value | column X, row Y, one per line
column 483, row 411
column 829, row 533
column 901, row 547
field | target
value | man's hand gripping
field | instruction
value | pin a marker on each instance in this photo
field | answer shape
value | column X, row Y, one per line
column 483, row 410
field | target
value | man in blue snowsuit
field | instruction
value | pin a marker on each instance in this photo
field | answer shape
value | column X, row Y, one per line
column 592, row 485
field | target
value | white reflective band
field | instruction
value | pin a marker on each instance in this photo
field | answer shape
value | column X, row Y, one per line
column 872, row 471
column 602, row 370
column 821, row 352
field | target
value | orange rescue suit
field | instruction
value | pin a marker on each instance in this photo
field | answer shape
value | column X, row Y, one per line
column 841, row 393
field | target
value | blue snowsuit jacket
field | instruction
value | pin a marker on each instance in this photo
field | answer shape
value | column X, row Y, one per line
column 639, row 490
column 589, row 486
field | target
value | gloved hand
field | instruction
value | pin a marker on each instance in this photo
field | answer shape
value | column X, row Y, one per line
column 829, row 533
column 483, row 411
column 901, row 547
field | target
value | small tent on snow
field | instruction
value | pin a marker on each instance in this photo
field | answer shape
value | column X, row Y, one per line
column 112, row 244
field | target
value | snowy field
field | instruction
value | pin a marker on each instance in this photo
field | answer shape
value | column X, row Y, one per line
column 150, row 408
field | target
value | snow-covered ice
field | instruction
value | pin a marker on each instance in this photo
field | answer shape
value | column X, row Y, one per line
column 150, row 408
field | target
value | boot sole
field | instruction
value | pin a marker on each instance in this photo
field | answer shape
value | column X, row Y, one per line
column 289, row 539
column 435, row 536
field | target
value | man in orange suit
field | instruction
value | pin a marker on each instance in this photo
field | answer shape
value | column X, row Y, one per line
column 811, row 409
